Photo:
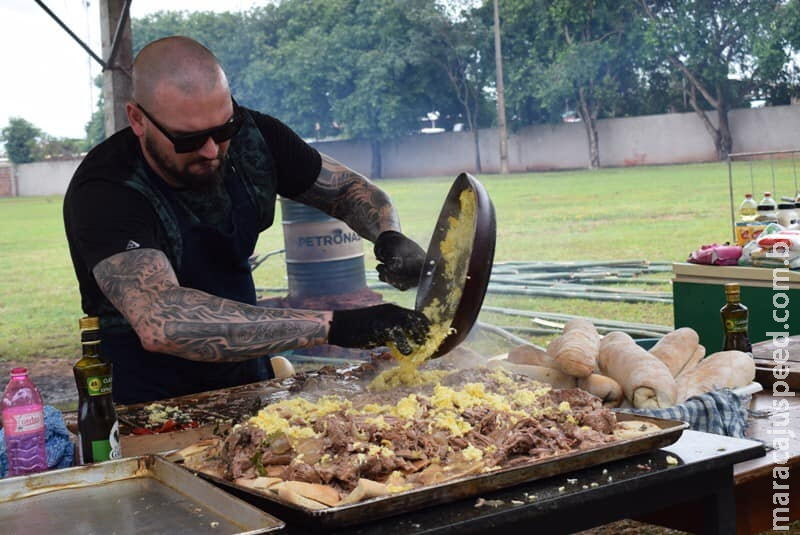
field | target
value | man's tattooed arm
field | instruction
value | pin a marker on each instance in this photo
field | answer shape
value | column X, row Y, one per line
column 344, row 194
column 195, row 325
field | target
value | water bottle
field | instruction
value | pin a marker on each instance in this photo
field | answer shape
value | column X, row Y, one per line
column 23, row 425
column 748, row 208
column 767, row 209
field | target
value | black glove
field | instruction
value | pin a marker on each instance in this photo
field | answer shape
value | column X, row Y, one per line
column 377, row 325
column 402, row 260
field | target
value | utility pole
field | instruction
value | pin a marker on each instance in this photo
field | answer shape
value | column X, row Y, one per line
column 501, row 103
column 115, row 34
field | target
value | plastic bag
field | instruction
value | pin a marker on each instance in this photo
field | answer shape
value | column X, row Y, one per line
column 716, row 254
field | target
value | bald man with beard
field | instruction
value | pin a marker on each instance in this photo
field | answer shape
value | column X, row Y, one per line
column 162, row 217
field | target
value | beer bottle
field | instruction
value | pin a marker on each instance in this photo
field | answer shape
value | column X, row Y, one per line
column 98, row 429
column 734, row 320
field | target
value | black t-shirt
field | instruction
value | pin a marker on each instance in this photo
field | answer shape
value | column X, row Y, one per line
column 108, row 207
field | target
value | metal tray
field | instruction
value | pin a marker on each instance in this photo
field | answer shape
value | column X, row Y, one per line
column 128, row 496
column 405, row 502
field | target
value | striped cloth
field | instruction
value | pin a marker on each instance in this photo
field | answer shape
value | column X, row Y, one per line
column 721, row 412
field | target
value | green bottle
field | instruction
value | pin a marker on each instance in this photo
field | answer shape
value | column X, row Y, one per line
column 98, row 428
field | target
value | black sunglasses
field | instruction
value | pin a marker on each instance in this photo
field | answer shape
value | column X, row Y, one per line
column 195, row 140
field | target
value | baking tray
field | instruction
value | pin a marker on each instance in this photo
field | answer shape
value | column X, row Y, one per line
column 135, row 495
column 470, row 486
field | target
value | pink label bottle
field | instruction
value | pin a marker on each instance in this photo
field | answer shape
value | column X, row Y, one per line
column 23, row 425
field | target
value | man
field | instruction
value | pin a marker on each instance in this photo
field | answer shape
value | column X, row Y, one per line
column 162, row 217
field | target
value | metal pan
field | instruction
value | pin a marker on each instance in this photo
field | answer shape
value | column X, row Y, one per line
column 128, row 496
column 405, row 502
column 471, row 264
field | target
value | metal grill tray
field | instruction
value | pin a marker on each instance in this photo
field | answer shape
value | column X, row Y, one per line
column 128, row 496
column 405, row 502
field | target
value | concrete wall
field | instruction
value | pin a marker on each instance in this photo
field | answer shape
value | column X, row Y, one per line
column 45, row 178
column 646, row 140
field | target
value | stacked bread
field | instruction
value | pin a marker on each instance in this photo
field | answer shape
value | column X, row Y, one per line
column 622, row 373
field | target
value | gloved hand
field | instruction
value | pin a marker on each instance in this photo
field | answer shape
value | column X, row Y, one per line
column 402, row 260
column 377, row 325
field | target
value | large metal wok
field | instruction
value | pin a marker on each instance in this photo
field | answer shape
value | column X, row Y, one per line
column 471, row 263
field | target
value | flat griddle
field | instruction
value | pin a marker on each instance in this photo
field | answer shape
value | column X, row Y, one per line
column 473, row 262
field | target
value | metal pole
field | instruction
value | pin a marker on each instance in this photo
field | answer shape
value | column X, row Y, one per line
column 730, row 192
column 501, row 104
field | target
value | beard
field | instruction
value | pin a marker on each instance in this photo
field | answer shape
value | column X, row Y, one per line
column 200, row 174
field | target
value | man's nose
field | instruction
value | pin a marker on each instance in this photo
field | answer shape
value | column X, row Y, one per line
column 210, row 149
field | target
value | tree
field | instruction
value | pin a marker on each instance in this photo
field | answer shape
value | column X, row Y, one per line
column 351, row 66
column 565, row 53
column 725, row 49
column 454, row 41
column 21, row 139
column 96, row 127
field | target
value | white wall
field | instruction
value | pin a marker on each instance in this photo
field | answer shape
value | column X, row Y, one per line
column 45, row 178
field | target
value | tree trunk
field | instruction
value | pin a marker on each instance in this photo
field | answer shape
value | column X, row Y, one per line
column 724, row 139
column 590, row 126
column 475, row 136
column 376, row 167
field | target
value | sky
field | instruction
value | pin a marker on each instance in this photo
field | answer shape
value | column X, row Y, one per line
column 46, row 77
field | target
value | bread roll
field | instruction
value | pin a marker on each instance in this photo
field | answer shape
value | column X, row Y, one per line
column 529, row 354
column 281, row 367
column 725, row 369
column 676, row 348
column 645, row 380
column 576, row 351
column 606, row 388
column 697, row 356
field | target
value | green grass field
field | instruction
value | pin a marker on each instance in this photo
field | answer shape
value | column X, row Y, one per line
column 657, row 214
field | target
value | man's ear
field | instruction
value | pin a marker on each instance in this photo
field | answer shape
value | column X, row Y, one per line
column 135, row 118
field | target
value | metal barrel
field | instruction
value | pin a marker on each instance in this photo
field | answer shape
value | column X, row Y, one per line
column 323, row 255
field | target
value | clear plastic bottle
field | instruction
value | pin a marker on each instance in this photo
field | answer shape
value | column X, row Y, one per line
column 748, row 208
column 768, row 200
column 23, row 425
column 767, row 209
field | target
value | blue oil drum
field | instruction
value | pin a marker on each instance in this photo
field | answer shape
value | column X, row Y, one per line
column 324, row 256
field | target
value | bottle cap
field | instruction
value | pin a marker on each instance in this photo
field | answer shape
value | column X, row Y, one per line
column 732, row 289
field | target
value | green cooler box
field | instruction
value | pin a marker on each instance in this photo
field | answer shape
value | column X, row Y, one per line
column 698, row 294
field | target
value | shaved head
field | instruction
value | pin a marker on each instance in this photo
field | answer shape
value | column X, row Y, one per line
column 176, row 63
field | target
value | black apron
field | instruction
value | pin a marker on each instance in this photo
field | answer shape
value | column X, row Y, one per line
column 215, row 262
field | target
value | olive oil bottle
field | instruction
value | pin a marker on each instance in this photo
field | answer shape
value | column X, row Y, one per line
column 98, row 428
column 734, row 320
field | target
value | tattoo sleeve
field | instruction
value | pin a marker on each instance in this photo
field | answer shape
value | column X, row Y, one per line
column 344, row 194
column 196, row 325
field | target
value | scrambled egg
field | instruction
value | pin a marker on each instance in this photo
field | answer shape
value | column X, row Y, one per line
column 443, row 410
column 440, row 314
